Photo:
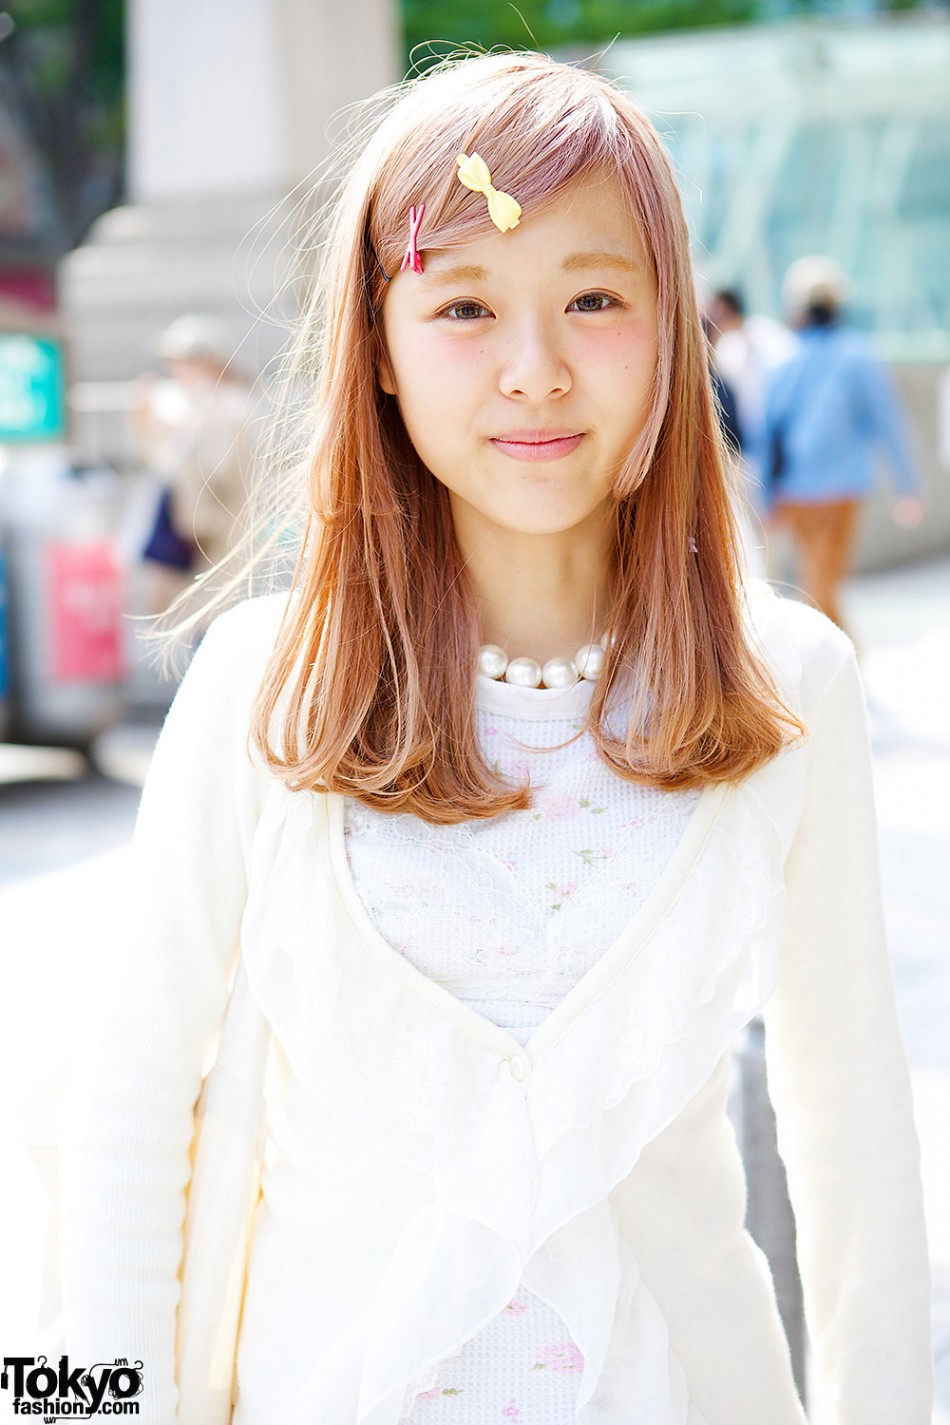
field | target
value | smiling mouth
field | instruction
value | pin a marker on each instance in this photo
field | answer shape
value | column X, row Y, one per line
column 536, row 445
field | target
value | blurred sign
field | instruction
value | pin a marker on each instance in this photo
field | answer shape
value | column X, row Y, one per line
column 85, row 603
column 4, row 659
column 32, row 388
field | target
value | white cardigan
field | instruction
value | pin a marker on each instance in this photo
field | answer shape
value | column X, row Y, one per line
column 595, row 1164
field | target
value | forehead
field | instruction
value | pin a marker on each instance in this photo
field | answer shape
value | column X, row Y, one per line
column 592, row 217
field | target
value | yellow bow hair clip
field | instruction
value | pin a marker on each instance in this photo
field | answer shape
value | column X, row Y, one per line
column 503, row 210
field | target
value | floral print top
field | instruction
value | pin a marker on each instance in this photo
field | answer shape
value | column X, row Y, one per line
column 508, row 914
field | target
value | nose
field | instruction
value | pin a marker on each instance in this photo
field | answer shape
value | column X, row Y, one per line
column 534, row 366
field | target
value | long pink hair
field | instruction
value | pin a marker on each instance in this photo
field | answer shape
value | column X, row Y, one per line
column 374, row 672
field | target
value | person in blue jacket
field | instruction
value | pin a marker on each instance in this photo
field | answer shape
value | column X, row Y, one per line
column 829, row 411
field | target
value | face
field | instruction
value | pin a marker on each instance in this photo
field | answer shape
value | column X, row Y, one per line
column 523, row 363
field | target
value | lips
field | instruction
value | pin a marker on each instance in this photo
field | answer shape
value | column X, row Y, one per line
column 537, row 444
column 535, row 437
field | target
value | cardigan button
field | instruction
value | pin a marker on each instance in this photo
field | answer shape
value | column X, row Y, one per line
column 519, row 1067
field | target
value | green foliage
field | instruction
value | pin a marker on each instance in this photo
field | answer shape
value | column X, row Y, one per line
column 62, row 73
column 51, row 31
column 431, row 27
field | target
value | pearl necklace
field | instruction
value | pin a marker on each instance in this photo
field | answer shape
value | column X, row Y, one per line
column 528, row 673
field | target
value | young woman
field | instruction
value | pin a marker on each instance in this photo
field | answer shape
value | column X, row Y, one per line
column 513, row 812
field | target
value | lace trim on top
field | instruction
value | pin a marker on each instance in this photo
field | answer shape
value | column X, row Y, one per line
column 508, row 914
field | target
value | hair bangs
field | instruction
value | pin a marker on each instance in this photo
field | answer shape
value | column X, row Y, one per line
column 537, row 138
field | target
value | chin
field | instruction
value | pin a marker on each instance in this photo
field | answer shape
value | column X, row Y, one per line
column 533, row 526
column 554, row 525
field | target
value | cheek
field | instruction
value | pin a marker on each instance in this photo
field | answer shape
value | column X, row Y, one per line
column 620, row 372
column 429, row 351
column 439, row 377
column 436, row 390
column 622, row 353
column 622, row 380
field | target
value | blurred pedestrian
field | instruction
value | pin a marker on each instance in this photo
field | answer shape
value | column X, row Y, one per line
column 504, row 821
column 746, row 350
column 194, row 432
column 724, row 392
column 828, row 412
column 751, row 558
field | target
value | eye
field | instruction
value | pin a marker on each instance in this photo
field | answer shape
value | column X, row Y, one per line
column 594, row 302
column 465, row 311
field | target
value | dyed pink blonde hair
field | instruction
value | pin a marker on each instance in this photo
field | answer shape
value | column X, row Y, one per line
column 374, row 669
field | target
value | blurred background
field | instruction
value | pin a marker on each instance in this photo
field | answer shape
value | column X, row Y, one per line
column 148, row 277
column 156, row 158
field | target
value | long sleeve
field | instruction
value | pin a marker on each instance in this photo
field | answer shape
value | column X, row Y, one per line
column 125, row 1160
column 884, row 418
column 839, row 1081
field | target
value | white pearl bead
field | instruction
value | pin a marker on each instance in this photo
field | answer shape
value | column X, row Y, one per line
column 590, row 661
column 492, row 660
column 525, row 672
column 559, row 673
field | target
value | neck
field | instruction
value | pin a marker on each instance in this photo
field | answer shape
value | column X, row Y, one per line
column 540, row 595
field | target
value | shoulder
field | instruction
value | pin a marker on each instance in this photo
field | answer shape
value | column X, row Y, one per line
column 774, row 344
column 203, row 745
column 244, row 635
column 228, row 665
column 784, row 369
column 852, row 350
column 257, row 618
column 802, row 648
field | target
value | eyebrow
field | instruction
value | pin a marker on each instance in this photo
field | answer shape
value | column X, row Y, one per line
column 581, row 261
column 457, row 274
column 576, row 262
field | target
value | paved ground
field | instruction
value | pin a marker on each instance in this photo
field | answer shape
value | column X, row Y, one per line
column 45, row 826
column 901, row 620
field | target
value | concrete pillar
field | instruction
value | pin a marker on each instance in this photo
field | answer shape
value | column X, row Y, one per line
column 229, row 103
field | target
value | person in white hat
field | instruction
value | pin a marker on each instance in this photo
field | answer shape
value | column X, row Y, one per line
column 194, row 434
column 828, row 411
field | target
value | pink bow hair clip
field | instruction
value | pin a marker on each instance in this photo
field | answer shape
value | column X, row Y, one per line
column 412, row 258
